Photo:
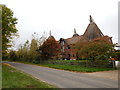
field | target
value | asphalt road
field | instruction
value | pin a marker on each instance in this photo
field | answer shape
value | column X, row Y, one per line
column 65, row 79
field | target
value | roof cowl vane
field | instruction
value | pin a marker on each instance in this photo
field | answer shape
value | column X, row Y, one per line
column 91, row 19
column 75, row 31
column 50, row 37
column 50, row 33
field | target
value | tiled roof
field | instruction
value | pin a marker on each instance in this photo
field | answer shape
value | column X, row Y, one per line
column 92, row 32
column 73, row 40
column 51, row 37
column 104, row 38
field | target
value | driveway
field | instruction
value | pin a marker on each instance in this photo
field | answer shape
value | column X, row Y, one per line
column 66, row 79
column 112, row 74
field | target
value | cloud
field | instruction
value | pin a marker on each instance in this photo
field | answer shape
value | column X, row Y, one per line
column 62, row 16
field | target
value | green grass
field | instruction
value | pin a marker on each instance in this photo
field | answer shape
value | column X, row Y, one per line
column 12, row 78
column 77, row 68
column 0, row 76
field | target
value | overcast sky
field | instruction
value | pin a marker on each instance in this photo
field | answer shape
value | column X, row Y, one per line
column 62, row 16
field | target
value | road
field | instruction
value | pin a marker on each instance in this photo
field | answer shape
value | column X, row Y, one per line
column 65, row 79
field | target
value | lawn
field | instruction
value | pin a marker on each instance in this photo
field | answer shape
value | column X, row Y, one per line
column 65, row 66
column 76, row 68
column 12, row 78
column 0, row 76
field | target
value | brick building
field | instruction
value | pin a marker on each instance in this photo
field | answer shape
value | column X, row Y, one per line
column 92, row 32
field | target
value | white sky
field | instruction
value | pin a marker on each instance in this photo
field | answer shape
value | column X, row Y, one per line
column 62, row 16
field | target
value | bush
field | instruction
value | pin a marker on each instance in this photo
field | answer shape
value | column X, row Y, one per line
column 84, row 63
column 12, row 55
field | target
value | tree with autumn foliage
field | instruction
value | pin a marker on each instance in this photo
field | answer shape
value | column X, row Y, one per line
column 97, row 53
column 49, row 49
column 94, row 50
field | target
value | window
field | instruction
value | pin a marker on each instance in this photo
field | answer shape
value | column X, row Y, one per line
column 73, row 55
column 68, row 57
column 68, row 46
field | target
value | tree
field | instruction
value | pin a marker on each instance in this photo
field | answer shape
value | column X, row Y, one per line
column 50, row 49
column 33, row 54
column 8, row 28
column 94, row 50
column 28, row 51
column 23, row 52
column 12, row 55
column 97, row 53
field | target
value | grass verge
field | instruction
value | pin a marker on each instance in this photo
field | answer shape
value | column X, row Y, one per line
column 72, row 67
column 77, row 68
column 12, row 78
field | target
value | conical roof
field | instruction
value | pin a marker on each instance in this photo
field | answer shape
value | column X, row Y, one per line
column 51, row 37
column 75, row 35
column 92, row 32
